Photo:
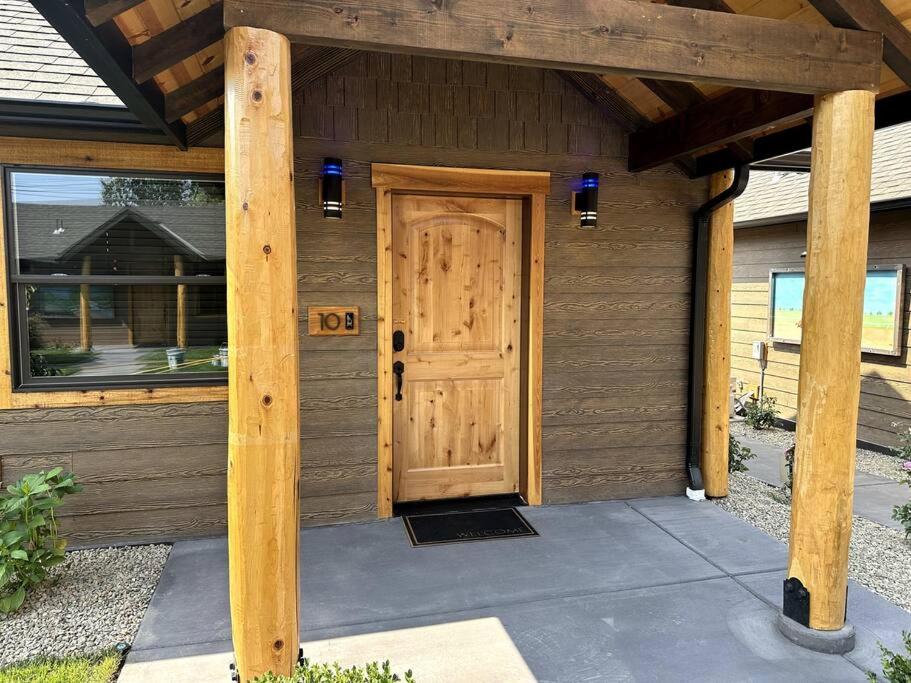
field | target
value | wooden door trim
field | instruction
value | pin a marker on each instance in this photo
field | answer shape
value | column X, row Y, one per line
column 533, row 186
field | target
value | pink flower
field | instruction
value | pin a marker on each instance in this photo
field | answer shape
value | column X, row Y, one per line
column 907, row 466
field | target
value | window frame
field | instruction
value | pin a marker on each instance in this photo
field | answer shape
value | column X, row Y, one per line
column 126, row 386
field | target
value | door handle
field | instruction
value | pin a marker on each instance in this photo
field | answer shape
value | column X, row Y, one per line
column 398, row 369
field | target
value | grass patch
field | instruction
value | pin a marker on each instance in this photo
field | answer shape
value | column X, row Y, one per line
column 84, row 669
column 156, row 362
column 65, row 360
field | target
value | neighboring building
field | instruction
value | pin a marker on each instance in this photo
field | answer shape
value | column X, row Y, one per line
column 770, row 233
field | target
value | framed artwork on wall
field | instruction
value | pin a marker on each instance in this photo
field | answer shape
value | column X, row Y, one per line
column 883, row 298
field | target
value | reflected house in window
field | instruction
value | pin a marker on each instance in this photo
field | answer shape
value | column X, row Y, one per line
column 116, row 291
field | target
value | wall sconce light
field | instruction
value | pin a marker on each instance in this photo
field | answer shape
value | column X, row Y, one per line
column 332, row 188
column 585, row 202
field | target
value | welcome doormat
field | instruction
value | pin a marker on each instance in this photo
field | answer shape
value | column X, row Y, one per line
column 459, row 527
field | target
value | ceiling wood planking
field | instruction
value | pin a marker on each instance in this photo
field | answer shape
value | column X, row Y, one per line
column 185, row 39
column 100, row 11
column 656, row 41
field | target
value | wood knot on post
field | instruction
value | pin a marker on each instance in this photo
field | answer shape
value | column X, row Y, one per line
column 245, row 206
column 250, row 57
column 267, row 249
column 267, row 400
column 278, row 645
column 257, row 96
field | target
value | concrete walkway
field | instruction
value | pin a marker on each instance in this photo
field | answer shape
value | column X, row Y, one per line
column 660, row 589
column 874, row 496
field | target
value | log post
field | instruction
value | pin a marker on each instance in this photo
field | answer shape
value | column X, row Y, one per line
column 85, row 307
column 181, row 304
column 716, row 405
column 263, row 369
column 829, row 380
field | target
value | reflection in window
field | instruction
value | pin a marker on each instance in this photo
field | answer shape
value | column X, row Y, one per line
column 117, row 279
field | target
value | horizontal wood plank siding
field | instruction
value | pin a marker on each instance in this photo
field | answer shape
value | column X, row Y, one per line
column 616, row 311
column 885, row 391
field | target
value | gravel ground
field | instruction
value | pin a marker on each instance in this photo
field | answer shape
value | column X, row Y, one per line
column 867, row 461
column 879, row 557
column 94, row 600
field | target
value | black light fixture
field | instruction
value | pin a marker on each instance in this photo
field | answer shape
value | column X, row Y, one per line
column 586, row 201
column 331, row 188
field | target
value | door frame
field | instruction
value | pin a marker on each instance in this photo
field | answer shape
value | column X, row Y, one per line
column 530, row 186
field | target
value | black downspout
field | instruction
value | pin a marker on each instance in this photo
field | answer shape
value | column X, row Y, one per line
column 697, row 322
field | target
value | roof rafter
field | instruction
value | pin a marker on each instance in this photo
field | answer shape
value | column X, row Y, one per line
column 728, row 118
column 174, row 45
column 100, row 11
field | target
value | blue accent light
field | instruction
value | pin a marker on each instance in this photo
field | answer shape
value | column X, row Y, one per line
column 587, row 201
column 332, row 188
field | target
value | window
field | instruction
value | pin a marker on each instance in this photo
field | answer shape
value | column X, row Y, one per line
column 116, row 280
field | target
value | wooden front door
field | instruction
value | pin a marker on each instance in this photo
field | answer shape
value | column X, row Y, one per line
column 457, row 302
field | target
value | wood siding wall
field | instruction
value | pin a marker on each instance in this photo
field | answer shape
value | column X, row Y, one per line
column 616, row 311
column 885, row 380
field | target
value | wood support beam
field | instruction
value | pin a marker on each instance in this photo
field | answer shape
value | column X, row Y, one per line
column 181, row 304
column 890, row 111
column 85, row 307
column 725, row 119
column 174, row 45
column 682, row 96
column 194, row 94
column 100, row 11
column 263, row 370
column 872, row 15
column 829, row 382
column 716, row 390
column 621, row 36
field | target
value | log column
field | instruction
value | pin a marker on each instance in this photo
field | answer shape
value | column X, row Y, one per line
column 181, row 304
column 829, row 384
column 85, row 307
column 263, row 369
column 716, row 404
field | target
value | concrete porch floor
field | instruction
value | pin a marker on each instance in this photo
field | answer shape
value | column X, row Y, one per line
column 660, row 589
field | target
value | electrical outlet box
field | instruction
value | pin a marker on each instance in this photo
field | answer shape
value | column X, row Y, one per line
column 759, row 350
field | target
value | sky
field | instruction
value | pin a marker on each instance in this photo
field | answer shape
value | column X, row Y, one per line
column 879, row 292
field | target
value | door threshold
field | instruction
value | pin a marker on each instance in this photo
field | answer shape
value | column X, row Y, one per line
column 473, row 504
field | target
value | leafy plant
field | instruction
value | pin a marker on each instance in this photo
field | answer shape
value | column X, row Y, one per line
column 738, row 454
column 762, row 413
column 307, row 672
column 896, row 666
column 904, row 441
column 29, row 543
column 902, row 513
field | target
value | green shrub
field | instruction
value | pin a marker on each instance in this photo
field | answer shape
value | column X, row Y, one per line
column 307, row 672
column 761, row 413
column 902, row 513
column 904, row 441
column 29, row 544
column 100, row 668
column 738, row 454
column 896, row 667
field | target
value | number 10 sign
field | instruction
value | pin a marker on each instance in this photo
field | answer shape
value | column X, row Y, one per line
column 334, row 321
